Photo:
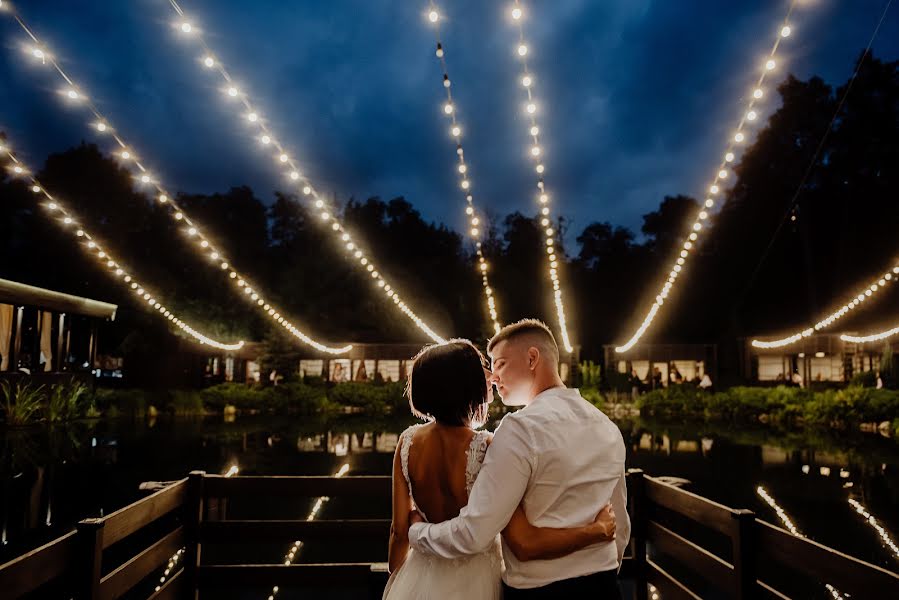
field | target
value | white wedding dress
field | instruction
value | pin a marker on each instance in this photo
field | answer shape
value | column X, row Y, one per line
column 424, row 577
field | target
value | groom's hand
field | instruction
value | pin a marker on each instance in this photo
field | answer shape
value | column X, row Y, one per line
column 603, row 525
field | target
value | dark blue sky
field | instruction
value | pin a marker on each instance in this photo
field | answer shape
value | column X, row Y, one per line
column 637, row 95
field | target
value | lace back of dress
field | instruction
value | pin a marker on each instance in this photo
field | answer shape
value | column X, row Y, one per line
column 476, row 452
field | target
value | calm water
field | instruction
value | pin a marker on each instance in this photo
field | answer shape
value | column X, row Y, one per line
column 53, row 477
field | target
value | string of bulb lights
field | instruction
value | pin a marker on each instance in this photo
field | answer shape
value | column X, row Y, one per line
column 201, row 244
column 749, row 116
column 869, row 291
column 536, row 153
column 267, row 140
column 876, row 526
column 874, row 337
column 55, row 209
column 451, row 111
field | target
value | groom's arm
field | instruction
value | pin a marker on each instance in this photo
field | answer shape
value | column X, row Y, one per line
column 499, row 488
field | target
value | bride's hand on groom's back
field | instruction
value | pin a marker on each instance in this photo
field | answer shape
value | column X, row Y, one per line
column 603, row 525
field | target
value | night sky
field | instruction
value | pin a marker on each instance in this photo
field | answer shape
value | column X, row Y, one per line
column 637, row 97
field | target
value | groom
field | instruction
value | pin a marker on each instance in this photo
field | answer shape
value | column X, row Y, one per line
column 560, row 456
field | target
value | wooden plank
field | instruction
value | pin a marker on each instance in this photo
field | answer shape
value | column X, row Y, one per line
column 173, row 589
column 671, row 588
column 218, row 486
column 127, row 520
column 267, row 531
column 846, row 573
column 701, row 510
column 125, row 577
column 636, row 481
column 212, row 576
column 766, row 591
column 699, row 560
column 39, row 566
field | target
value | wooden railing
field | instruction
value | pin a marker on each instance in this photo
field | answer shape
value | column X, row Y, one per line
column 684, row 545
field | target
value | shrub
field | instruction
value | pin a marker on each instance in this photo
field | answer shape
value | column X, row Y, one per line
column 22, row 403
column 68, row 401
column 123, row 403
column 864, row 379
column 593, row 396
column 238, row 395
column 590, row 374
column 296, row 397
column 187, row 403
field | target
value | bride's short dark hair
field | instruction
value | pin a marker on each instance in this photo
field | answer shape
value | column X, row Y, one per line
column 446, row 384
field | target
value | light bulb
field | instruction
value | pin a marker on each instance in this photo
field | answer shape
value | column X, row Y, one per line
column 516, row 13
column 252, row 117
column 125, row 154
column 145, row 179
column 770, row 65
column 739, row 137
column 36, row 189
column 751, row 115
column 232, row 91
column 209, row 62
column 266, row 140
column 526, row 81
column 294, row 175
column 535, row 151
column 535, row 130
column 101, row 127
column 531, row 108
column 448, row 108
column 307, row 190
column 522, row 50
column 72, row 94
column 433, row 16
column 283, row 158
column 186, row 27
column 456, row 131
column 729, row 157
column 758, row 93
column 786, row 31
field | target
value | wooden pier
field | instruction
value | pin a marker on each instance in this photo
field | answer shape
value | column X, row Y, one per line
column 683, row 546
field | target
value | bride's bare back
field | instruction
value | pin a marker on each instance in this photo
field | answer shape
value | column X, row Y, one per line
column 438, row 458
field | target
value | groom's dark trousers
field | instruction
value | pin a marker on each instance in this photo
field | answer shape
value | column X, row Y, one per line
column 596, row 586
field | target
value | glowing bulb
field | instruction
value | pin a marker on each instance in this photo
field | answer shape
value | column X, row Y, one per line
column 72, row 94
column 770, row 65
column 307, row 190
column 252, row 117
column 294, row 175
column 145, row 179
column 283, row 158
column 448, row 108
column 522, row 50
column 531, row 108
column 722, row 174
column 101, row 127
column 526, row 81
column 163, row 198
column 758, row 93
column 209, row 62
column 729, row 157
column 36, row 189
column 433, row 16
column 751, row 115
column 456, row 131
column 126, row 155
column 535, row 151
column 38, row 53
column 266, row 140
column 786, row 31
column 739, row 137
column 186, row 27
column 232, row 91
column 18, row 170
column 540, row 168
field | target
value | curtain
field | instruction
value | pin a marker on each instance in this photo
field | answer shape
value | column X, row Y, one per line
column 46, row 342
column 6, row 312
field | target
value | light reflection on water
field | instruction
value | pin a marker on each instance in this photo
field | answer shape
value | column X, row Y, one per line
column 90, row 469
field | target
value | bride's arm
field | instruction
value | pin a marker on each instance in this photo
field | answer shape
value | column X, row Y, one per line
column 399, row 526
column 528, row 542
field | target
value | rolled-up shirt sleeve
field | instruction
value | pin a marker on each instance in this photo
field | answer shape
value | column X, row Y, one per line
column 498, row 490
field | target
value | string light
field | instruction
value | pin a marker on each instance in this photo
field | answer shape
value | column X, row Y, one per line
column 861, row 296
column 316, row 508
column 204, row 246
column 870, row 520
column 54, row 206
column 527, row 81
column 284, row 160
column 874, row 337
column 750, row 114
column 462, row 168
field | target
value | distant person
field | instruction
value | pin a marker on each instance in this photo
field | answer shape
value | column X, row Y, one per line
column 879, row 384
column 706, row 382
column 656, row 378
column 442, row 464
column 675, row 376
column 797, row 379
column 636, row 383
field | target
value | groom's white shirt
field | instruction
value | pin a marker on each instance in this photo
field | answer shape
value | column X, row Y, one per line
column 565, row 458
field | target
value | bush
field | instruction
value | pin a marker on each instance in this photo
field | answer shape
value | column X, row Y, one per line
column 298, row 398
column 590, row 374
column 22, row 403
column 864, row 379
column 238, row 395
column 124, row 403
column 593, row 396
column 788, row 405
column 68, row 401
column 186, row 403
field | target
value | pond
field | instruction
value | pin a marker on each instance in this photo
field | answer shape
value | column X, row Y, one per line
column 52, row 477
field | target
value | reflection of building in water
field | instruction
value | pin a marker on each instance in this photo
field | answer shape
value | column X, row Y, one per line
column 662, row 364
column 821, row 357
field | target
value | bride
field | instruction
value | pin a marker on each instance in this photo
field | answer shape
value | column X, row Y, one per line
column 434, row 468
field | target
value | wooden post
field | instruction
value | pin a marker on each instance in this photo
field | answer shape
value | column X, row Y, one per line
column 90, row 541
column 193, row 517
column 637, row 492
column 745, row 560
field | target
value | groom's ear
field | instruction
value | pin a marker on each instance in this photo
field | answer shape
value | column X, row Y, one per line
column 533, row 357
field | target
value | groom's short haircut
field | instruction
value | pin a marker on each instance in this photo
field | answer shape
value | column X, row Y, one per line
column 447, row 384
column 532, row 331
